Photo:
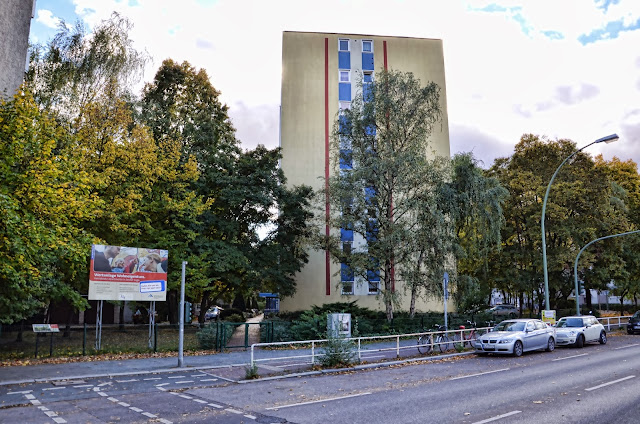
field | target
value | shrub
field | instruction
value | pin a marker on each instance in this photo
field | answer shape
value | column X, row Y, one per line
column 338, row 352
column 234, row 318
column 251, row 372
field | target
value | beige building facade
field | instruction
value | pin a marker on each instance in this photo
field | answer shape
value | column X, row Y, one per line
column 319, row 76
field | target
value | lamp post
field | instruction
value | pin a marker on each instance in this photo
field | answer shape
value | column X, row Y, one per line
column 575, row 264
column 608, row 139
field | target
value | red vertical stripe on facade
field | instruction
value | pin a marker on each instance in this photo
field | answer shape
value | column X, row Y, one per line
column 393, row 269
column 326, row 160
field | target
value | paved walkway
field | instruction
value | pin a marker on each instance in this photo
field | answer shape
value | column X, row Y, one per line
column 238, row 337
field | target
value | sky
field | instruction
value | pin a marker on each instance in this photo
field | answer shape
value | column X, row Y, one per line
column 554, row 68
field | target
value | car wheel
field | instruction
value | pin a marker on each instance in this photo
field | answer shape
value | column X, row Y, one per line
column 551, row 344
column 517, row 348
column 603, row 338
column 580, row 341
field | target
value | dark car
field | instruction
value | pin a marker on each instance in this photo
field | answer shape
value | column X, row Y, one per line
column 634, row 324
column 504, row 310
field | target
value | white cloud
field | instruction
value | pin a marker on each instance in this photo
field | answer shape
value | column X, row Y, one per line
column 47, row 18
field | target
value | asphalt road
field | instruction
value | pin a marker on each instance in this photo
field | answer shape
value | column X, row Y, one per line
column 594, row 384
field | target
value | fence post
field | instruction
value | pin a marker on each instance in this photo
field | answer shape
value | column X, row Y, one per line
column 155, row 336
column 397, row 346
column 246, row 335
column 313, row 350
column 359, row 352
column 84, row 340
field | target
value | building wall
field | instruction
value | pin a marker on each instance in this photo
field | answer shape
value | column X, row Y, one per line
column 15, row 23
column 309, row 106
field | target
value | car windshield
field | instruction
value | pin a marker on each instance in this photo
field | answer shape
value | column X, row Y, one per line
column 637, row 314
column 510, row 326
column 570, row 323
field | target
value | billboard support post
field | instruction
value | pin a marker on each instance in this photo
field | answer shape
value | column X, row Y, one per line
column 181, row 315
column 152, row 323
column 99, row 325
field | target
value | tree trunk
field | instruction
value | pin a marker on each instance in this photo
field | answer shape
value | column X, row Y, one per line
column 172, row 303
column 388, row 295
column 412, row 305
column 204, row 307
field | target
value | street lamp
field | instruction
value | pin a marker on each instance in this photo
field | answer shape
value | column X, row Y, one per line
column 608, row 139
column 575, row 264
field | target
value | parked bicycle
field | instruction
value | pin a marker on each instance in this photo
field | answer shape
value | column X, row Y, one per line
column 466, row 338
column 442, row 342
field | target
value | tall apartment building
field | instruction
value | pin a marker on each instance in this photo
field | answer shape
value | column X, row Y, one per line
column 319, row 75
column 15, row 23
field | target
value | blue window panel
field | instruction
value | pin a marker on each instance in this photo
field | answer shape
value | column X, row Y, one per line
column 346, row 160
column 370, row 130
column 368, row 77
column 344, row 125
column 346, row 274
column 346, row 235
column 367, row 93
column 344, row 92
column 344, row 60
column 373, row 275
column 369, row 193
column 372, row 231
column 367, row 61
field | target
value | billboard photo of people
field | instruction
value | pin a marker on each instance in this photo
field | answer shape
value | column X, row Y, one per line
column 127, row 273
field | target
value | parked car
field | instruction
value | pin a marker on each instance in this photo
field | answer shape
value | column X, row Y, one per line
column 212, row 313
column 504, row 311
column 515, row 336
column 578, row 330
column 634, row 323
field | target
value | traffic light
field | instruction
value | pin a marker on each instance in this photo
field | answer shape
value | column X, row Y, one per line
column 187, row 312
column 581, row 288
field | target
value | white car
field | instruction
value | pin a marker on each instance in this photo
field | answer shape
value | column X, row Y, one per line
column 578, row 330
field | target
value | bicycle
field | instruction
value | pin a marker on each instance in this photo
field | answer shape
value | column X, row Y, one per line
column 426, row 342
column 466, row 338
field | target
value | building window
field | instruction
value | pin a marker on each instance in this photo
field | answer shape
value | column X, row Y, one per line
column 367, row 46
column 345, row 76
column 343, row 45
column 374, row 287
column 347, row 287
column 367, row 77
column 344, row 105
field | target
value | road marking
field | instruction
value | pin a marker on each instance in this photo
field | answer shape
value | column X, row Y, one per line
column 59, row 420
column 54, row 388
column 43, row 408
column 149, row 414
column 104, row 384
column 624, row 347
column 184, row 382
column 112, row 399
column 162, row 388
column 479, row 374
column 185, row 397
column 29, row 396
column 200, row 401
column 199, row 375
column 215, row 405
column 498, row 417
column 569, row 357
column 24, row 392
column 610, row 383
column 177, row 376
column 126, row 405
column 163, row 421
column 126, row 381
column 235, row 411
column 153, row 378
column 50, row 414
column 251, row 417
column 318, row 401
column 133, row 408
column 210, row 379
column 102, row 394
column 161, row 384
column 36, row 402
column 83, row 385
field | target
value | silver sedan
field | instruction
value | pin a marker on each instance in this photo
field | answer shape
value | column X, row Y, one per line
column 515, row 336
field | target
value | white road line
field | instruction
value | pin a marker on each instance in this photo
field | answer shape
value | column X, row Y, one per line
column 162, row 388
column 161, row 384
column 127, row 381
column 29, row 396
column 210, row 379
column 149, row 414
column 479, row 374
column 43, row 408
column 153, row 378
column 235, row 411
column 59, row 420
column 174, row 393
column 318, row 401
column 185, row 397
column 251, row 417
column 624, row 347
column 569, row 357
column 184, row 382
column 177, row 376
column 24, row 392
column 610, row 383
column 54, row 388
column 112, row 399
column 199, row 375
column 102, row 394
column 134, row 409
column 126, row 405
column 200, row 401
column 50, row 414
column 36, row 402
column 498, row 417
column 104, row 384
column 83, row 385
column 215, row 405
column 163, row 421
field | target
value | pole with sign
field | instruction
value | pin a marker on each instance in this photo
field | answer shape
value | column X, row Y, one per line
column 181, row 315
column 445, row 287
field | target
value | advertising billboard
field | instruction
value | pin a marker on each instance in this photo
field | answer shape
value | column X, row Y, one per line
column 127, row 273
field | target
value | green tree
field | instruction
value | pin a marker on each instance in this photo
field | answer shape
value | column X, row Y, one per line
column 383, row 141
column 45, row 199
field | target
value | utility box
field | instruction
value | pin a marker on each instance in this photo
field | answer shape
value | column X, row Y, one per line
column 339, row 325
